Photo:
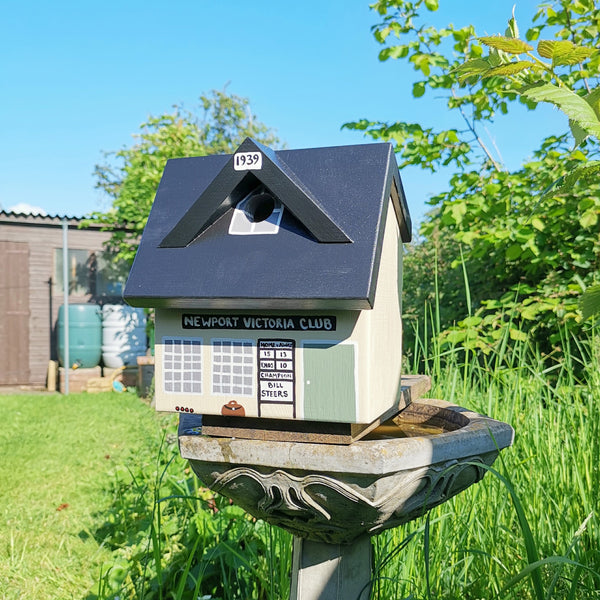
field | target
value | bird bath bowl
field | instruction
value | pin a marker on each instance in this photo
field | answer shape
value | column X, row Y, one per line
column 338, row 493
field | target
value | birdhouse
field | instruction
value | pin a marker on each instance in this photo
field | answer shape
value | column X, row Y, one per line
column 276, row 279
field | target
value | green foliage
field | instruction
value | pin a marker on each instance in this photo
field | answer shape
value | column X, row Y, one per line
column 435, row 55
column 527, row 257
column 589, row 301
column 527, row 241
column 172, row 538
column 581, row 106
column 131, row 175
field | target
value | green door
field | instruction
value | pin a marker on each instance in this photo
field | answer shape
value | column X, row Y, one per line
column 329, row 382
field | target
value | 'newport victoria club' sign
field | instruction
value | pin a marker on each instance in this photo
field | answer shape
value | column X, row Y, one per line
column 257, row 322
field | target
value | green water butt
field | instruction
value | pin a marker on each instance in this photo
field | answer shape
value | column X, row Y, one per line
column 85, row 335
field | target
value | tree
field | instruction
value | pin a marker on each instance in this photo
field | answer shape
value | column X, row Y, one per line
column 131, row 175
column 526, row 257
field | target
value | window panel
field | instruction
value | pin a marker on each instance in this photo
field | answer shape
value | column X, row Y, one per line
column 178, row 365
column 229, row 358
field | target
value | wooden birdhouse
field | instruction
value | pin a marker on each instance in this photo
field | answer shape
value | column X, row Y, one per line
column 276, row 279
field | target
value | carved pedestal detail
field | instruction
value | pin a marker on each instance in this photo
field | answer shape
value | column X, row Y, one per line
column 325, row 508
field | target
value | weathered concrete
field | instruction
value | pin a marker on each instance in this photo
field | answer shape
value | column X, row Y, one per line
column 331, row 571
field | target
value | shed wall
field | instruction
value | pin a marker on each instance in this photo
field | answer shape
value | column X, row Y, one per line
column 44, row 301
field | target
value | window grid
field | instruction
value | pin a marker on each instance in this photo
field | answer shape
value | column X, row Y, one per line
column 182, row 365
column 233, row 367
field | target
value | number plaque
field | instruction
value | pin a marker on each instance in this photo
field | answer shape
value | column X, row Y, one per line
column 247, row 161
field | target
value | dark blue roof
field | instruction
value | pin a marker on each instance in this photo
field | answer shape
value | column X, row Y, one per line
column 327, row 249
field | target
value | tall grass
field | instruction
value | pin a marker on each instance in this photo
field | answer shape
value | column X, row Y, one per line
column 173, row 539
column 531, row 530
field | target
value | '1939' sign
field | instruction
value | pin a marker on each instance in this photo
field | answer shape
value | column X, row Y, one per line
column 247, row 161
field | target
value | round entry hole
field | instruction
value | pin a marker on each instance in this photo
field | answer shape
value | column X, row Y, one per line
column 260, row 207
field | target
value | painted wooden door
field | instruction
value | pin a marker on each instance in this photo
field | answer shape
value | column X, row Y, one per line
column 329, row 382
column 14, row 313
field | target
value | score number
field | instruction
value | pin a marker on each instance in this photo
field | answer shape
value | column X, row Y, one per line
column 247, row 161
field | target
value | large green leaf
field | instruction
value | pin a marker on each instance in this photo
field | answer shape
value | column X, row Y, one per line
column 563, row 52
column 577, row 55
column 418, row 89
column 565, row 183
column 573, row 105
column 510, row 68
column 593, row 99
column 586, row 171
column 589, row 218
column 459, row 210
column 506, row 44
column 513, row 251
column 538, row 223
column 578, row 133
column 512, row 31
column 474, row 65
column 589, row 302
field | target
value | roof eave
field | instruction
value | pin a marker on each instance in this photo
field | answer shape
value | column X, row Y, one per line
column 244, row 304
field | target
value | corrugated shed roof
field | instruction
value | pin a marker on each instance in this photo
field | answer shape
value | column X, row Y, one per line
column 17, row 218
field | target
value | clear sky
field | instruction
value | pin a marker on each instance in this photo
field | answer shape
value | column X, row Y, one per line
column 77, row 78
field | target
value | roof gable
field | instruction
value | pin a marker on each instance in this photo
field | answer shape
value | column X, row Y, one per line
column 231, row 185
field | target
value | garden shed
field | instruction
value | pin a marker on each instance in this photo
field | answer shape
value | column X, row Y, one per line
column 31, row 288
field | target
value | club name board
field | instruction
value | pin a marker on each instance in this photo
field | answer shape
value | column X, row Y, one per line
column 256, row 322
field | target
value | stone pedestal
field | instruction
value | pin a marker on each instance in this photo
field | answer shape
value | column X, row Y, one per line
column 331, row 571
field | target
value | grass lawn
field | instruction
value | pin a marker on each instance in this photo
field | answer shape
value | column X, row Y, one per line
column 58, row 453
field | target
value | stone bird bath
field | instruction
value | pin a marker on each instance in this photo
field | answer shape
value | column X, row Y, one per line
column 333, row 497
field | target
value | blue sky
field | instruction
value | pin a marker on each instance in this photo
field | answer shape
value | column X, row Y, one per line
column 78, row 78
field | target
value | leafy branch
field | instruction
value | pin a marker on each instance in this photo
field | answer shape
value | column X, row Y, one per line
column 506, row 60
column 513, row 58
column 406, row 37
column 529, row 254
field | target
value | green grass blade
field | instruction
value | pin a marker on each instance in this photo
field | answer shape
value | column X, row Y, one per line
column 530, row 546
column 535, row 567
